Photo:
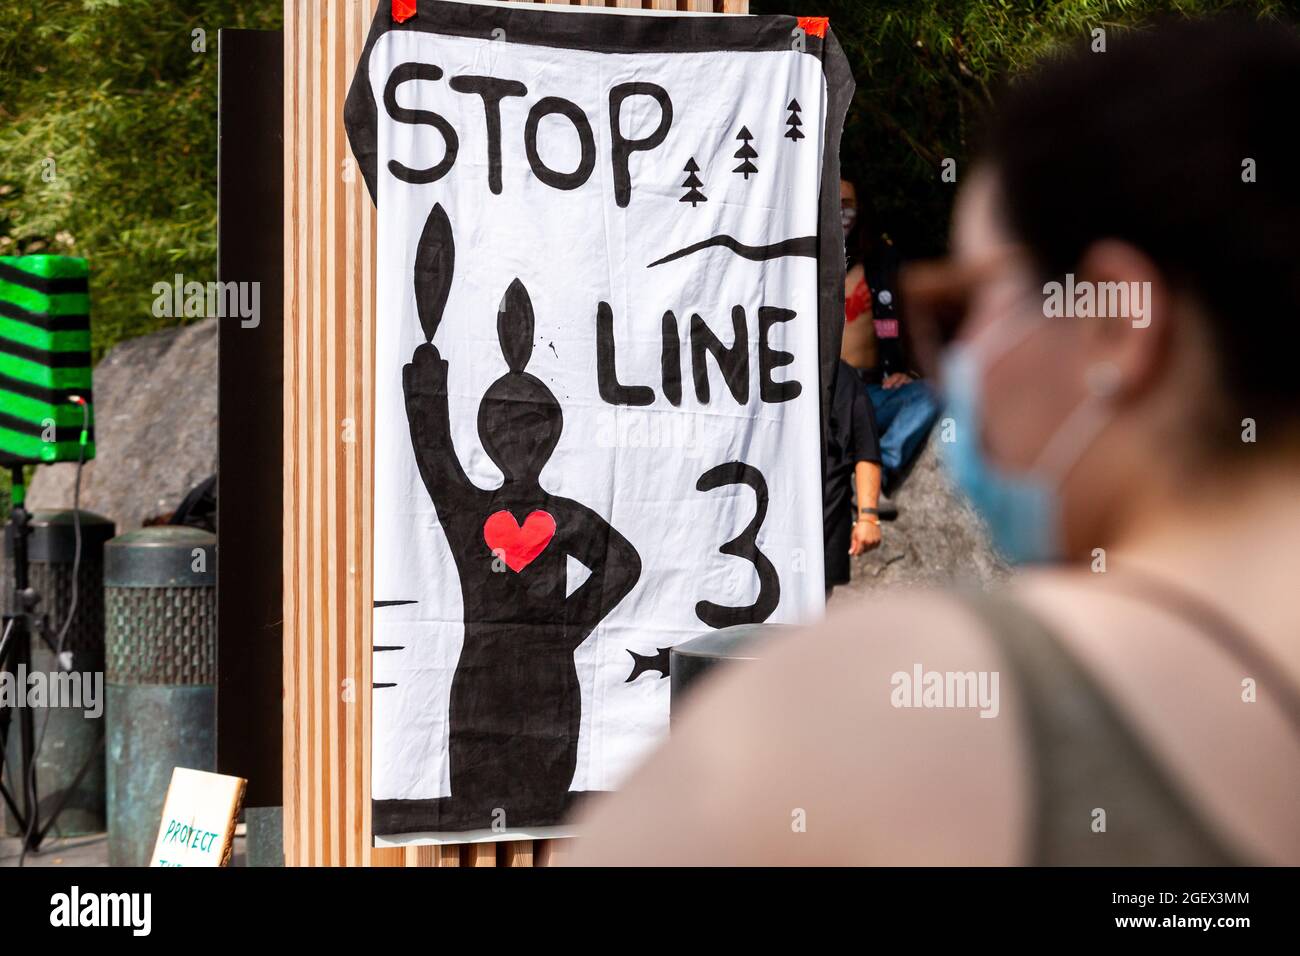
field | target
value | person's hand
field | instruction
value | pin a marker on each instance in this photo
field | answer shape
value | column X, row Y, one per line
column 426, row 352
column 896, row 380
column 866, row 535
column 428, row 361
column 427, row 371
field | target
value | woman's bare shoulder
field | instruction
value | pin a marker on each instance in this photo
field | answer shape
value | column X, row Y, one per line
column 884, row 734
column 1188, row 699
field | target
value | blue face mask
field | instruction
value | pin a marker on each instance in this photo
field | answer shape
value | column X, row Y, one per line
column 1023, row 512
column 1023, row 515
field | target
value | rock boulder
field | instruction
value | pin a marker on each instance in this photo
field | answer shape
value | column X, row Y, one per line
column 937, row 539
column 155, row 429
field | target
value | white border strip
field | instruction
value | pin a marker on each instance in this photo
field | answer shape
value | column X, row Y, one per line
column 430, row 838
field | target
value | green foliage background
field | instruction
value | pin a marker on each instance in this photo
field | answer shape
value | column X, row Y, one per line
column 113, row 99
column 926, row 70
column 114, row 94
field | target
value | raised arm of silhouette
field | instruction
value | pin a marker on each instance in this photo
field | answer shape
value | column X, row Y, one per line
column 424, row 380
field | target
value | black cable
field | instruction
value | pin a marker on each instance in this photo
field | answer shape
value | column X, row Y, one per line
column 4, row 741
column 4, row 643
column 67, row 621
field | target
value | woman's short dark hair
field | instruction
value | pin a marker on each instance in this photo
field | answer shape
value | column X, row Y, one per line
column 1183, row 139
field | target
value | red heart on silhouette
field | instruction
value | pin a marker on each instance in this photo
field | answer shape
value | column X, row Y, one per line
column 516, row 545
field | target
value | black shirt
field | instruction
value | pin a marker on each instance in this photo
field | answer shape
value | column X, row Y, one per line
column 850, row 438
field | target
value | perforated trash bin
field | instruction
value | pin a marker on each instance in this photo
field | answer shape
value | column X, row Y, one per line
column 160, row 609
column 70, row 761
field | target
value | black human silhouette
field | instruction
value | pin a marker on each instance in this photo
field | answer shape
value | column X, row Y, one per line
column 515, row 698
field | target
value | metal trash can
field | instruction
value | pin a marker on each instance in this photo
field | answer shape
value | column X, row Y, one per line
column 691, row 660
column 70, row 761
column 161, row 610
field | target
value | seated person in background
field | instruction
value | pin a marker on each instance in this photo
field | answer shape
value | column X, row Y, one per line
column 874, row 340
column 851, row 449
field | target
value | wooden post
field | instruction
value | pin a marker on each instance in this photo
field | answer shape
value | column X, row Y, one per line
column 519, row 853
column 329, row 309
column 329, row 360
column 448, row 855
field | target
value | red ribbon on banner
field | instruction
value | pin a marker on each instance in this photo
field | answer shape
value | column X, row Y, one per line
column 403, row 10
column 816, row 26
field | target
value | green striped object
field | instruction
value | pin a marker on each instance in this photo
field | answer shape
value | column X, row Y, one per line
column 44, row 359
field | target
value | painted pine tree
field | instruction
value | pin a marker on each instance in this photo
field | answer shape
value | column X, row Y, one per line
column 794, row 122
column 692, row 184
column 745, row 153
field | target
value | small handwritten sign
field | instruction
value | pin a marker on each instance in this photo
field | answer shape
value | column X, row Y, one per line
column 198, row 819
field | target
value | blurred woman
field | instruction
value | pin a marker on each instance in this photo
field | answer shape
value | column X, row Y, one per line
column 1134, row 699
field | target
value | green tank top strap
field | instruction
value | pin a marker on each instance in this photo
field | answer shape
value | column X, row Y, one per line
column 1099, row 796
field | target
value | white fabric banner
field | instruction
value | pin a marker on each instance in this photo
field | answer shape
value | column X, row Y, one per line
column 607, row 227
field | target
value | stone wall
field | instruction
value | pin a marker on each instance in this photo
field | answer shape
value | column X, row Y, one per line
column 155, row 429
column 936, row 540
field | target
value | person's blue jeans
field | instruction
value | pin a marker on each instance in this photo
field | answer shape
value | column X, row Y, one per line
column 904, row 416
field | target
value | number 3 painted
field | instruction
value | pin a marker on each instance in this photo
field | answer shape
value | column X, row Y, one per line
column 743, row 545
